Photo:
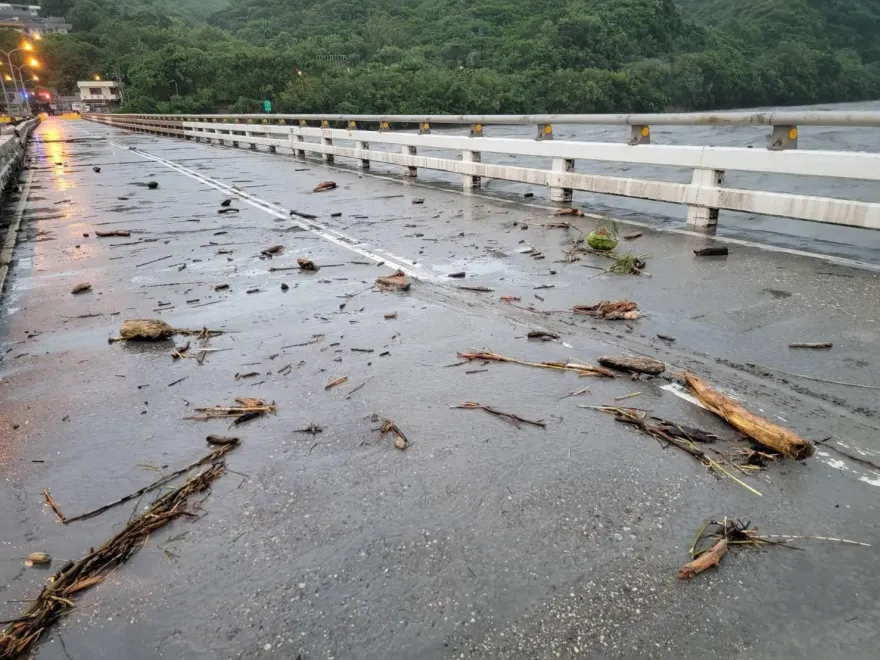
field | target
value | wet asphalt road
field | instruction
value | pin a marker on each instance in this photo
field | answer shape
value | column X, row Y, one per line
column 480, row 541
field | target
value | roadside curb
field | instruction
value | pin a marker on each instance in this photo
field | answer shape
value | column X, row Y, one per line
column 12, row 234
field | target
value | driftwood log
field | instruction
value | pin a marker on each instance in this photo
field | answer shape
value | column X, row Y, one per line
column 145, row 330
column 761, row 430
column 712, row 252
column 641, row 365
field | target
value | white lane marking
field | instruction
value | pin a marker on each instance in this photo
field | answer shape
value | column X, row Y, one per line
column 327, row 233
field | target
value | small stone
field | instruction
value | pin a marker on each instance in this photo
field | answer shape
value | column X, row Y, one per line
column 284, row 287
column 617, row 537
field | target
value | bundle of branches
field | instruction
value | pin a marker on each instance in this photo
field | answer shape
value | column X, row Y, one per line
column 55, row 600
column 639, row 418
column 578, row 367
column 759, row 429
column 628, row 264
column 248, row 408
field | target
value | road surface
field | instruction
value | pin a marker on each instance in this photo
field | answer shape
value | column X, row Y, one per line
column 482, row 540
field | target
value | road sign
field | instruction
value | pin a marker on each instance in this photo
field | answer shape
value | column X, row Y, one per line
column 267, row 106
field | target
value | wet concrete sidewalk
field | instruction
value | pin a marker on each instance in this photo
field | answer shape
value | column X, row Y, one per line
column 481, row 540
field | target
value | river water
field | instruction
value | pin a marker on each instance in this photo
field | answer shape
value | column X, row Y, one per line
column 860, row 244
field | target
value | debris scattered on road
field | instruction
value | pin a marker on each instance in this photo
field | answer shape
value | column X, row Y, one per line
column 273, row 250
column 390, row 315
column 666, row 338
column 509, row 299
column 759, row 429
column 389, row 426
column 38, row 559
column 542, row 335
column 152, row 185
column 226, row 202
column 307, row 264
column 515, row 419
column 627, row 396
column 110, row 234
column 180, row 351
column 96, row 169
column 641, row 365
column 337, row 381
column 221, row 287
column 55, row 599
column 231, row 209
column 82, row 287
column 312, row 429
column 307, row 216
column 396, row 282
column 248, row 408
column 418, row 200
column 284, row 286
column 821, row 344
column 147, row 263
column 458, row 275
column 677, row 430
column 325, row 185
column 221, row 440
column 477, row 289
column 632, row 236
column 585, row 390
column 712, row 252
column 580, row 368
column 359, row 387
column 611, row 310
column 572, row 211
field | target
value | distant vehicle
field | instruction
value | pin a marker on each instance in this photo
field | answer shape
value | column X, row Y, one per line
column 79, row 107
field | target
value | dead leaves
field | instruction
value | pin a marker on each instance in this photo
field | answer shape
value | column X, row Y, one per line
column 389, row 426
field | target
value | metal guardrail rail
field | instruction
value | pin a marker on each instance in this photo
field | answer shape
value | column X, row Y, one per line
column 704, row 196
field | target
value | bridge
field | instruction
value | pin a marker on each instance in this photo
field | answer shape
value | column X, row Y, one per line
column 489, row 536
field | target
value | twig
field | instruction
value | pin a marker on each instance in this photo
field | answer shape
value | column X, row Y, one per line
column 209, row 458
column 147, row 263
column 580, row 368
column 819, row 380
column 516, row 419
column 51, row 503
column 347, row 396
column 628, row 396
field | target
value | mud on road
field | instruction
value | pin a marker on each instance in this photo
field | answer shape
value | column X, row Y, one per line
column 482, row 539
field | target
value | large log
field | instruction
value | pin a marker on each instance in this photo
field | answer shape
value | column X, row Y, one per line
column 761, row 430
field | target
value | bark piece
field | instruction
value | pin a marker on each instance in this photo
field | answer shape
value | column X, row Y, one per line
column 396, row 282
column 759, row 429
column 712, row 252
column 821, row 344
column 108, row 234
column 641, row 365
column 704, row 562
column 611, row 310
column 325, row 185
column 82, row 287
column 145, row 330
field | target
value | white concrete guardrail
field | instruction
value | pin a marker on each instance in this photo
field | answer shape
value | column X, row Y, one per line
column 12, row 145
column 340, row 136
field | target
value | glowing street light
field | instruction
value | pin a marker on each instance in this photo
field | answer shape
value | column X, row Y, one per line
column 27, row 46
column 97, row 77
column 34, row 62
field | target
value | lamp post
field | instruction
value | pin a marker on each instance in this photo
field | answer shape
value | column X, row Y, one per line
column 26, row 46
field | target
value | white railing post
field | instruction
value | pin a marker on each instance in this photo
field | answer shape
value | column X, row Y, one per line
column 559, row 167
column 471, row 181
column 363, row 163
column 408, row 170
column 703, row 180
column 327, row 141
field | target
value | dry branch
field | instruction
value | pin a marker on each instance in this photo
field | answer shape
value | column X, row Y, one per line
column 516, row 419
column 704, row 562
column 580, row 368
column 761, row 430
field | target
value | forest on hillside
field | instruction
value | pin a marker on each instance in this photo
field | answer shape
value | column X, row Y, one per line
column 469, row 56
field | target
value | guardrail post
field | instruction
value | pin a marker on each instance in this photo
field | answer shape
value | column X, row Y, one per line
column 559, row 167
column 471, row 181
column 408, row 170
column 300, row 153
column 327, row 142
column 783, row 137
column 640, row 134
column 704, row 217
column 363, row 163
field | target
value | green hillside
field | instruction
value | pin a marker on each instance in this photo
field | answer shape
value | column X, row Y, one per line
column 471, row 55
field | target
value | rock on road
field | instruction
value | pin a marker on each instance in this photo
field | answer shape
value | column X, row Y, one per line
column 481, row 540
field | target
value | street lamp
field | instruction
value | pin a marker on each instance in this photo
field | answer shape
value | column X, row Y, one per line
column 25, row 46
